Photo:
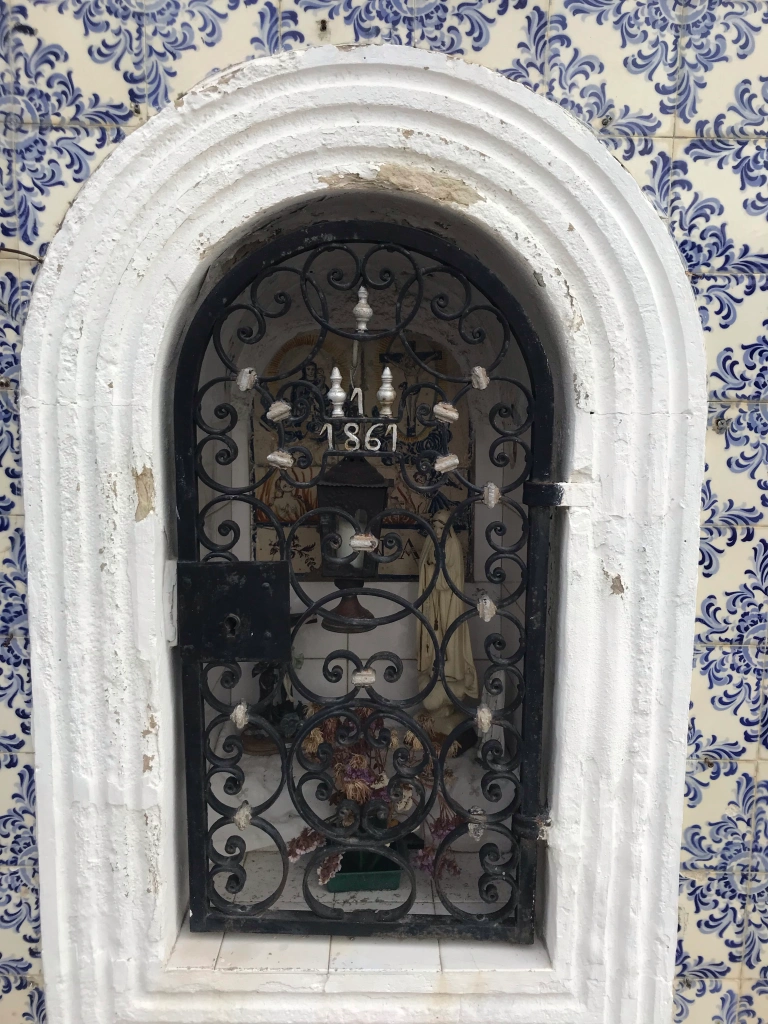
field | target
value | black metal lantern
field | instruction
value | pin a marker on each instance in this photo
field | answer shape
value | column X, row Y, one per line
column 356, row 487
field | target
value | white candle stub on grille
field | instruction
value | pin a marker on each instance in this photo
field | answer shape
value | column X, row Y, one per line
column 363, row 542
column 242, row 816
column 446, row 412
column 240, row 715
column 484, row 718
column 279, row 411
column 480, row 378
column 364, row 677
column 281, row 458
column 486, row 609
column 446, row 463
column 247, row 378
column 476, row 829
column 491, row 495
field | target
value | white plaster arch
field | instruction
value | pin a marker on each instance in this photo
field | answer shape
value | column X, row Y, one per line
column 106, row 316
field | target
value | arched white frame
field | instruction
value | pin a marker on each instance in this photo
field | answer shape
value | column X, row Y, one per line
column 108, row 310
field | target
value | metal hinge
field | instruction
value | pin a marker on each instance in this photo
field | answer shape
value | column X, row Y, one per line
column 532, row 827
column 558, row 495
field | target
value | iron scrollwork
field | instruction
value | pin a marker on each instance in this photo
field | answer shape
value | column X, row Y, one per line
column 292, row 773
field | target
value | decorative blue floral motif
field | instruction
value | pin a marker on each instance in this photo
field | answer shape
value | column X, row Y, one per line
column 736, row 1010
column 19, row 904
column 734, row 676
column 13, row 585
column 13, row 971
column 43, row 155
column 727, row 274
column 276, row 31
column 14, row 677
column 446, row 27
column 746, row 430
column 36, row 1013
column 169, row 27
column 720, row 528
column 714, row 758
column 748, row 160
column 733, row 856
column 675, row 43
column 18, row 844
column 744, row 618
column 166, row 30
column 14, row 302
column 752, row 380
column 547, row 48
column 695, row 976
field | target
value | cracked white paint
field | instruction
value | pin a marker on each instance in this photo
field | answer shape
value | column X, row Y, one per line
column 108, row 309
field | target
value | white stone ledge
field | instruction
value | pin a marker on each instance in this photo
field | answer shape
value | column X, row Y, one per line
column 275, row 963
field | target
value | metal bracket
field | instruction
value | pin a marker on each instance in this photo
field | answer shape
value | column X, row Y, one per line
column 558, row 495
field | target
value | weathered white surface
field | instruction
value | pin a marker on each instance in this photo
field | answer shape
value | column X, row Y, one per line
column 101, row 337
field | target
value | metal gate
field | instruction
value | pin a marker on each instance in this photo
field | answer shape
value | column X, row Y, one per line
column 363, row 437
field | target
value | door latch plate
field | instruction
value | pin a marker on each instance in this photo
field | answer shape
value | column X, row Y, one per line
column 234, row 611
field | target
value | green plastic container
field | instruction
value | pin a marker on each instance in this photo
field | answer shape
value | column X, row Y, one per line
column 362, row 871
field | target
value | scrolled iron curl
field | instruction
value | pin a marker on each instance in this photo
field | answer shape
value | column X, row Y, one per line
column 247, row 335
column 229, row 679
column 494, row 684
column 495, row 573
column 221, row 410
column 232, row 864
column 229, row 528
column 487, row 888
column 234, row 772
column 499, row 529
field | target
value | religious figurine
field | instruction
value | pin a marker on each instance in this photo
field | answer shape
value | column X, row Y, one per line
column 441, row 609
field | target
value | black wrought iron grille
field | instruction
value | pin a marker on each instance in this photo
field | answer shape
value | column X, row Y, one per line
column 364, row 438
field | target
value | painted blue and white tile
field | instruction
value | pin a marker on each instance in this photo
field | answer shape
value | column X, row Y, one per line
column 25, row 1005
column 733, row 602
column 20, row 912
column 18, row 838
column 711, row 921
column 718, row 831
column 488, row 32
column 747, row 161
column 13, row 580
column 161, row 50
column 731, row 177
column 724, row 55
column 711, row 1003
column 51, row 164
column 74, row 53
column 737, row 342
column 727, row 716
column 641, row 88
column 723, row 520
column 732, row 270
column 15, row 697
column 737, row 460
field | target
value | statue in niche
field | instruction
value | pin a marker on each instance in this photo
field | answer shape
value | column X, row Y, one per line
column 441, row 609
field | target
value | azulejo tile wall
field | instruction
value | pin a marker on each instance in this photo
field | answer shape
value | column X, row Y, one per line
column 677, row 90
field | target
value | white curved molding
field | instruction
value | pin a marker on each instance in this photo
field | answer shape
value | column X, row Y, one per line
column 110, row 303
